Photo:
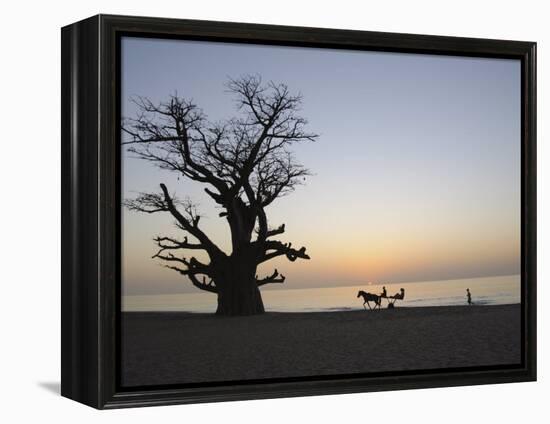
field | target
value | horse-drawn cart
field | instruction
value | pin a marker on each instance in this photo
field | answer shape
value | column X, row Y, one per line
column 377, row 298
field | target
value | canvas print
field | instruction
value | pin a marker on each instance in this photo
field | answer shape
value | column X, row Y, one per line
column 296, row 212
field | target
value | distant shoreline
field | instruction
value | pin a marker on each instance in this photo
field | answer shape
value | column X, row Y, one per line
column 329, row 311
column 488, row 291
column 183, row 347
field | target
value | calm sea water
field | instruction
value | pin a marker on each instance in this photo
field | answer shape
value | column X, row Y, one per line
column 485, row 291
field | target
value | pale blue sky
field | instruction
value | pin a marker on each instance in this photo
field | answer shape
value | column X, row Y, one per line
column 416, row 170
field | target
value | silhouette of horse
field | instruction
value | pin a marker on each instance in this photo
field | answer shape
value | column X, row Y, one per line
column 368, row 297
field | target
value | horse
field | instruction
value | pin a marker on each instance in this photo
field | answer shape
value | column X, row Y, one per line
column 367, row 297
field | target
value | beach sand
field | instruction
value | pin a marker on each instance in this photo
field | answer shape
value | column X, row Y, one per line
column 178, row 347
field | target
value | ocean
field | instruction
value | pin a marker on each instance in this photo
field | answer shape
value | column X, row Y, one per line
column 485, row 291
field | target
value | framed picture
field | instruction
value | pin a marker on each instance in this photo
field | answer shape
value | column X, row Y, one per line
column 255, row 211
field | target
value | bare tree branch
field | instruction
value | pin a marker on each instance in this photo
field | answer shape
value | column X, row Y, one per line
column 277, row 248
column 273, row 278
column 168, row 243
column 209, row 287
column 276, row 231
column 191, row 226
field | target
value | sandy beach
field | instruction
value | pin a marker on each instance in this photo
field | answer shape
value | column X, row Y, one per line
column 178, row 347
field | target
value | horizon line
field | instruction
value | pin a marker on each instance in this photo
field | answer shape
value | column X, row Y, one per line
column 343, row 286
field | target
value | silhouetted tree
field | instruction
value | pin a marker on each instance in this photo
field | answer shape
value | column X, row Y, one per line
column 245, row 164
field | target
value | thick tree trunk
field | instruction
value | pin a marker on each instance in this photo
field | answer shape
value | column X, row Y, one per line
column 240, row 299
column 238, row 292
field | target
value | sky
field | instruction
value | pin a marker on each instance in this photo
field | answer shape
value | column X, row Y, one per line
column 416, row 172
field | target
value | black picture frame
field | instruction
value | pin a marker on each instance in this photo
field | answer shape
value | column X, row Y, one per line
column 90, row 288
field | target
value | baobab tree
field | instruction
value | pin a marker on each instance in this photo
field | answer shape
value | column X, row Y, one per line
column 245, row 164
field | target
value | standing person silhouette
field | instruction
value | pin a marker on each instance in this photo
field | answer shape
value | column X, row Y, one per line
column 469, row 296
